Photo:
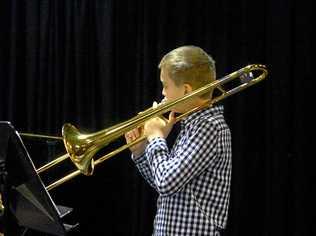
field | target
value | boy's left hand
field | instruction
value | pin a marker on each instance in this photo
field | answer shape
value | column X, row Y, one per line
column 158, row 127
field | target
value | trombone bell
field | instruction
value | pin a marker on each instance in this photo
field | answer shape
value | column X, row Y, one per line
column 80, row 149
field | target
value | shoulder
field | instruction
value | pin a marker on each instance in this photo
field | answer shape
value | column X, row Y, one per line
column 214, row 122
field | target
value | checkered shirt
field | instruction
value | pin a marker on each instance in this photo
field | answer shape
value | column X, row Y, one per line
column 193, row 178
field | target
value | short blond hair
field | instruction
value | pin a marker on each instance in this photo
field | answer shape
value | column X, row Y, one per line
column 189, row 64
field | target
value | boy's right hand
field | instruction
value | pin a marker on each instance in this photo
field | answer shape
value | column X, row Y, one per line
column 139, row 148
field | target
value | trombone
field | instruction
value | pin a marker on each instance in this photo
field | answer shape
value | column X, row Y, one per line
column 81, row 148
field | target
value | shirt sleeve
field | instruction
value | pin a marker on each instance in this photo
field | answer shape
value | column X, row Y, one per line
column 144, row 169
column 197, row 153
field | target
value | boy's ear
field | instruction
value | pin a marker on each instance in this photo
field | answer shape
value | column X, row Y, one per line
column 187, row 88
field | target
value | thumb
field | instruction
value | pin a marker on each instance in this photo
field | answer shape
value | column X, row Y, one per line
column 172, row 117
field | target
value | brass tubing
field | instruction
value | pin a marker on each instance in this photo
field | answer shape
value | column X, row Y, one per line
column 82, row 147
column 63, row 180
column 52, row 163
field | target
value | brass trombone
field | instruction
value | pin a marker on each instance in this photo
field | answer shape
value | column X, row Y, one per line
column 81, row 148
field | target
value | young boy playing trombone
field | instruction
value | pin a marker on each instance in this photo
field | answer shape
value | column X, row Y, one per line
column 193, row 178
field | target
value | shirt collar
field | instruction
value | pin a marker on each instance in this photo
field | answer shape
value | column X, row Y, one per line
column 205, row 112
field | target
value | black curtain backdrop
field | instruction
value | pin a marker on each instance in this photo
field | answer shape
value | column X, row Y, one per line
column 94, row 64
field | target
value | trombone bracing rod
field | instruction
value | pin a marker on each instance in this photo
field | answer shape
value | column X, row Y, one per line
column 41, row 136
column 82, row 147
column 55, row 161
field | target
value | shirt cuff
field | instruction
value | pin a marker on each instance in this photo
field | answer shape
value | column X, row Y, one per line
column 140, row 159
column 157, row 146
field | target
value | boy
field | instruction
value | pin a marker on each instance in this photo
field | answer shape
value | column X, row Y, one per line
column 193, row 178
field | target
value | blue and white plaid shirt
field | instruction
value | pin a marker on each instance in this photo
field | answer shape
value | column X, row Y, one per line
column 193, row 178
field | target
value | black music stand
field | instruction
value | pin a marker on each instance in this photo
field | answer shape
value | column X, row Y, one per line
column 27, row 202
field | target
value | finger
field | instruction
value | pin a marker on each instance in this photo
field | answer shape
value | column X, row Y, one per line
column 132, row 134
column 141, row 129
column 155, row 104
column 127, row 135
column 172, row 117
column 135, row 133
column 164, row 119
